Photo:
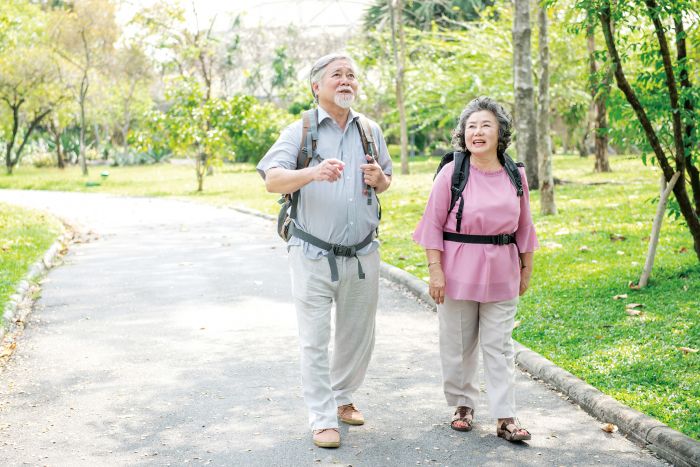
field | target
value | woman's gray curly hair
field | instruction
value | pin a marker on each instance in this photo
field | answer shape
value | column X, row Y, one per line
column 505, row 124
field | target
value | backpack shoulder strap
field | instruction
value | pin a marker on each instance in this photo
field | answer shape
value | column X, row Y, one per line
column 513, row 173
column 460, row 176
column 307, row 150
column 309, row 138
column 367, row 136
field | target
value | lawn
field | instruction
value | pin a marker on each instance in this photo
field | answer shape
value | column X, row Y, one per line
column 589, row 252
column 24, row 238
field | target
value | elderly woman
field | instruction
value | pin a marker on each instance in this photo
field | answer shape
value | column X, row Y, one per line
column 479, row 268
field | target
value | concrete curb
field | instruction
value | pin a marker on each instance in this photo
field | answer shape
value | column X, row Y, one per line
column 667, row 443
column 14, row 312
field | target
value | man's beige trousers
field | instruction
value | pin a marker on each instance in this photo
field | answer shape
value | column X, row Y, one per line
column 330, row 383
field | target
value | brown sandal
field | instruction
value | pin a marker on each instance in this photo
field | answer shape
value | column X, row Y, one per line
column 464, row 415
column 512, row 431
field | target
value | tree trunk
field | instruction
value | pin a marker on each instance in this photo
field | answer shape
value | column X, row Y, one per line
column 201, row 168
column 656, row 229
column 526, row 142
column 84, row 86
column 544, row 149
column 9, row 162
column 83, row 95
column 396, row 8
column 599, row 112
column 55, row 131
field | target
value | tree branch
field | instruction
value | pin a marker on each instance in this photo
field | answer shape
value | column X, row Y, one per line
column 653, row 10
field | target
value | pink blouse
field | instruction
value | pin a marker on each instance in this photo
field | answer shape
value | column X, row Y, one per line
column 478, row 272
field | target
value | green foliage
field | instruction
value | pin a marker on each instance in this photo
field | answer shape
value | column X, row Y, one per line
column 239, row 128
column 428, row 13
column 252, row 127
column 447, row 67
column 24, row 237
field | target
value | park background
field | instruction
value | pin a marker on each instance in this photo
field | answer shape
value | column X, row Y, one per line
column 167, row 98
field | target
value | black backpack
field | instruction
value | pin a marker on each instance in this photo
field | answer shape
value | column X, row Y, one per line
column 460, row 176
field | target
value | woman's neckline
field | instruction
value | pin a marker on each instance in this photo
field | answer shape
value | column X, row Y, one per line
column 487, row 172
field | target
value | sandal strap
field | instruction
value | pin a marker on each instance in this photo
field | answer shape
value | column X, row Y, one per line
column 318, row 432
column 463, row 411
column 508, row 422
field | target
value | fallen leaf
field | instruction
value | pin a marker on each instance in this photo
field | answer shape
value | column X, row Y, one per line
column 687, row 350
column 609, row 428
column 584, row 248
column 682, row 250
column 516, row 324
column 620, row 297
column 562, row 231
column 619, row 252
column 633, row 286
column 617, row 237
column 634, row 305
column 633, row 312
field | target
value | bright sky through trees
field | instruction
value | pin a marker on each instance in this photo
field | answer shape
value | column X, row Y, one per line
column 334, row 15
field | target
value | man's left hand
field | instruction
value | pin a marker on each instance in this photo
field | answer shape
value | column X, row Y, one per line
column 373, row 174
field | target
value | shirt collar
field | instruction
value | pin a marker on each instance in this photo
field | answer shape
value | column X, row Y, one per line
column 322, row 115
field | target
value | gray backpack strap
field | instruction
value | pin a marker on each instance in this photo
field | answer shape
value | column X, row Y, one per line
column 307, row 150
column 368, row 144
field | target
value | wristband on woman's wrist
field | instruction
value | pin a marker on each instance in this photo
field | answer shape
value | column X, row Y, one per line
column 430, row 263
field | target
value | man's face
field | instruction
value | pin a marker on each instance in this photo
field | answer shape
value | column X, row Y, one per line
column 338, row 85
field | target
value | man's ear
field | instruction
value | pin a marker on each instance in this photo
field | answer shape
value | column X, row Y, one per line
column 314, row 87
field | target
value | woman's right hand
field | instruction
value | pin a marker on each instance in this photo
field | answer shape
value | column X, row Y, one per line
column 437, row 283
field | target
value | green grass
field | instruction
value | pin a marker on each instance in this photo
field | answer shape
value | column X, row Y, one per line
column 24, row 237
column 569, row 314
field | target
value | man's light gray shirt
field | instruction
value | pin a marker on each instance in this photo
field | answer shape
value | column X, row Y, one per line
column 336, row 212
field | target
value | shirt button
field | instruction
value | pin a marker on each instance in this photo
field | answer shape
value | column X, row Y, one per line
column 350, row 200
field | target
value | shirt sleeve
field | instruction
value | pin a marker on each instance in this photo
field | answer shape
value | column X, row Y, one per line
column 525, row 236
column 284, row 152
column 428, row 233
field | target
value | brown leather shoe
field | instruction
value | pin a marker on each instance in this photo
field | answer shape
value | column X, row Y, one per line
column 327, row 438
column 349, row 414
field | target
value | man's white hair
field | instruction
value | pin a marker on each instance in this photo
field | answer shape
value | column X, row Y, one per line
column 322, row 63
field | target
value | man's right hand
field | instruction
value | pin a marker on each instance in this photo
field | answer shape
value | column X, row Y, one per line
column 329, row 170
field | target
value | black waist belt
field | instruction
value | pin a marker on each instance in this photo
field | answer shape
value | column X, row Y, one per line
column 334, row 249
column 501, row 239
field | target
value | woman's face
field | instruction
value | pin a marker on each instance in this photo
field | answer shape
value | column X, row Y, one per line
column 481, row 133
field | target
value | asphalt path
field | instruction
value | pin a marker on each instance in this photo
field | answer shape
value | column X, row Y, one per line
column 169, row 338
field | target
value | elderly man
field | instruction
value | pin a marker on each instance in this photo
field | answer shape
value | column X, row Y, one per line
column 333, row 254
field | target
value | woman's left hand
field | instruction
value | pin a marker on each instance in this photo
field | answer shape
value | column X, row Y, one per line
column 525, row 274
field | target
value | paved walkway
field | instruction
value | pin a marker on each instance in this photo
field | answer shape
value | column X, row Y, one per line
column 170, row 339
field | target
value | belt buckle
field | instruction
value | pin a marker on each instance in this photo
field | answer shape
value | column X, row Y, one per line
column 503, row 239
column 342, row 250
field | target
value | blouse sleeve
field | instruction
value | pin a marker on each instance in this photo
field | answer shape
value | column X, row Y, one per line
column 428, row 233
column 525, row 236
